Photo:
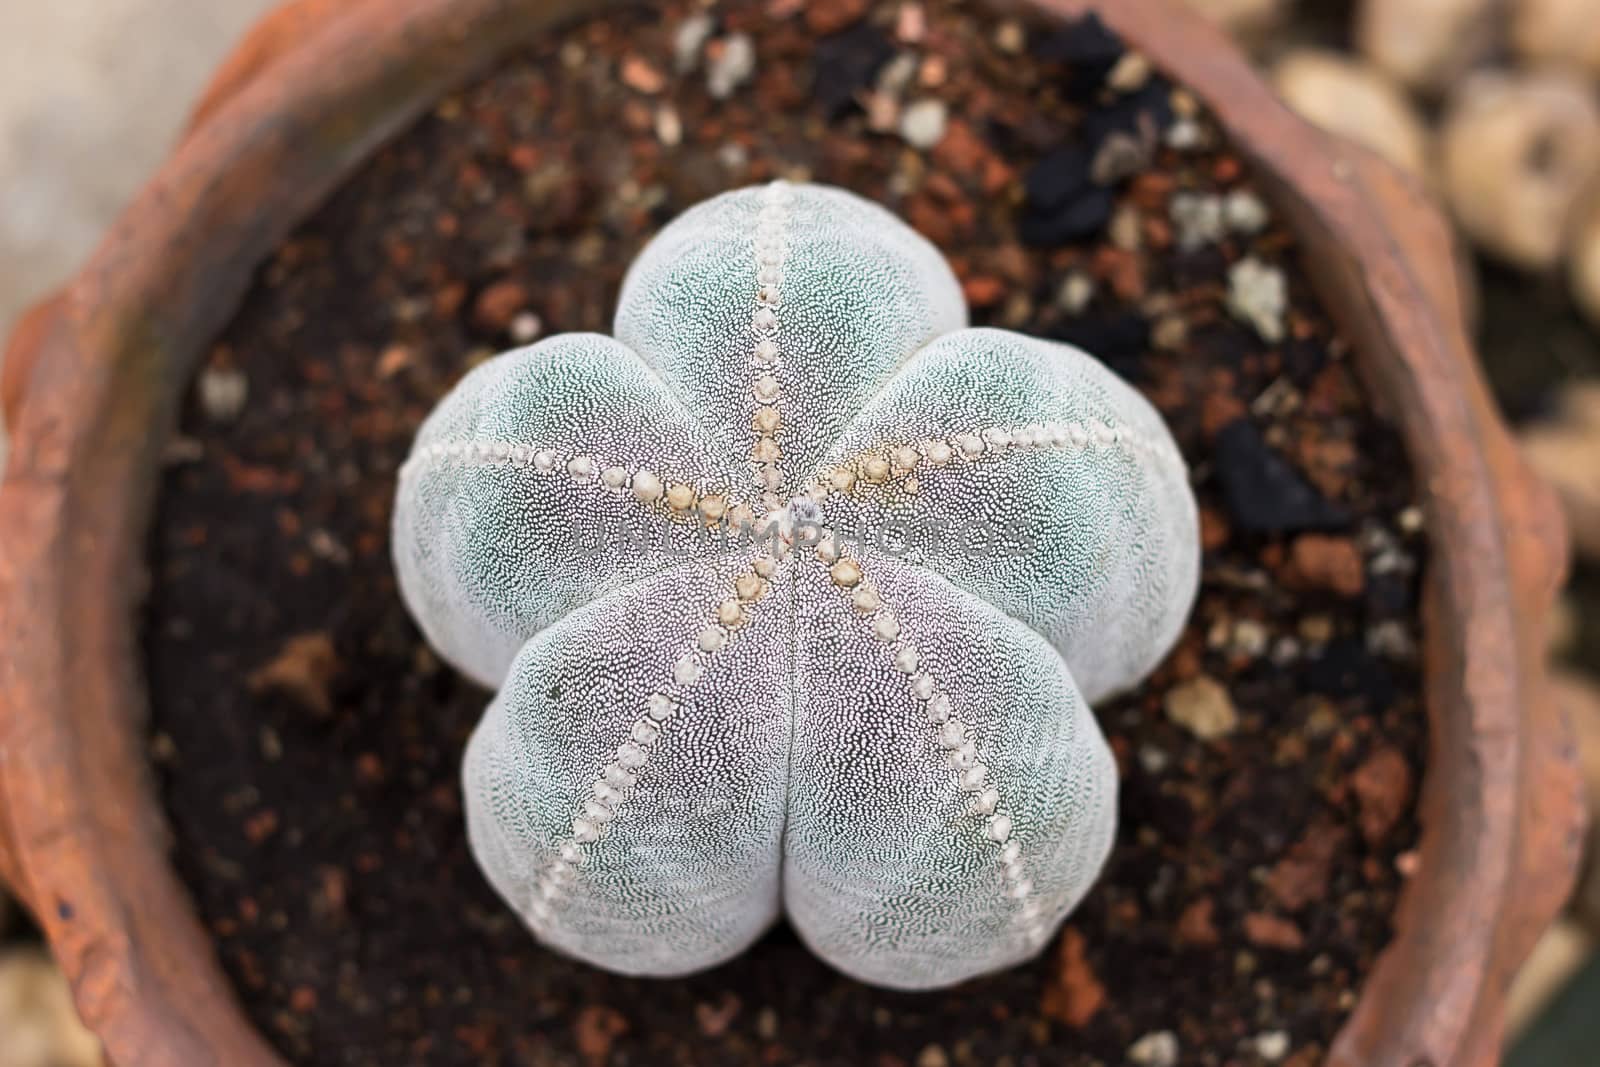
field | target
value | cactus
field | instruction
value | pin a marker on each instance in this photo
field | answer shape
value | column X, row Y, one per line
column 794, row 595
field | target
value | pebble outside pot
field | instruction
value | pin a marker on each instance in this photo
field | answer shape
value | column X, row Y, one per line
column 92, row 382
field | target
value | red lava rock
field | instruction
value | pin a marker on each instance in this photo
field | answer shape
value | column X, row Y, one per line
column 1328, row 462
column 1301, row 876
column 303, row 670
column 596, row 1028
column 254, row 478
column 1214, row 531
column 1074, row 994
column 831, row 16
column 499, row 303
column 639, row 75
column 1382, row 785
column 1272, row 931
column 261, row 826
column 714, row 1020
column 963, row 151
column 1195, row 925
column 369, row 768
column 985, row 290
column 1323, row 561
column 1122, row 270
column 393, row 360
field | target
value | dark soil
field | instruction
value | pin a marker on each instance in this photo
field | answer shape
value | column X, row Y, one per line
column 308, row 741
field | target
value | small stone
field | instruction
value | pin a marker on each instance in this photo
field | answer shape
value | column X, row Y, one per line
column 638, row 74
column 525, row 327
column 1077, row 289
column 1382, row 785
column 1264, row 493
column 1273, row 931
column 1121, row 155
column 1157, row 1049
column 1245, row 212
column 922, row 123
column 690, row 37
column 1557, row 33
column 668, row 126
column 1131, row 73
column 1010, row 37
column 1196, row 927
column 1517, row 152
column 1323, row 561
column 1202, row 706
column 222, row 393
column 1247, row 20
column 37, row 1015
column 1347, row 97
column 304, row 670
column 1198, row 219
column 732, row 62
column 1583, row 261
column 1272, row 1045
column 499, row 303
column 1258, row 294
column 1086, row 48
column 1062, row 203
column 1564, row 450
column 1426, row 44
column 846, row 65
column 1074, row 995
column 1301, row 876
column 830, row 16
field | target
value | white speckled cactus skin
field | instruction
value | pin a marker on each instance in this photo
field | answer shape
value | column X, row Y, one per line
column 876, row 721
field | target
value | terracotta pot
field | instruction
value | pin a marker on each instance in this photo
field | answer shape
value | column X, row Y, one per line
column 93, row 378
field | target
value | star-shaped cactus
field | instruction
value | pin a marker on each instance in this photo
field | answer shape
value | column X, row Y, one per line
column 794, row 595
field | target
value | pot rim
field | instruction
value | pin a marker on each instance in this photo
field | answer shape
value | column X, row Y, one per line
column 91, row 386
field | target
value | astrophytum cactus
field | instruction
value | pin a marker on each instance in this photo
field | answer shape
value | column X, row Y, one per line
column 793, row 595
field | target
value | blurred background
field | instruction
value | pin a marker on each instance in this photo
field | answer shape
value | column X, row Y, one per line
column 1494, row 105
